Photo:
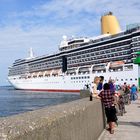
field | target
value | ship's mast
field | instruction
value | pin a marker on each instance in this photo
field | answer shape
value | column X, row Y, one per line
column 31, row 54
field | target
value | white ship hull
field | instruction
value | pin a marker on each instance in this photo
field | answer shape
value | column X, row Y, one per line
column 73, row 83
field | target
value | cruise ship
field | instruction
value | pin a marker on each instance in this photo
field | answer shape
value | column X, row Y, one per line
column 114, row 54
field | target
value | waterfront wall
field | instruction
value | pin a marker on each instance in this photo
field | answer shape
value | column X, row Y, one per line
column 78, row 120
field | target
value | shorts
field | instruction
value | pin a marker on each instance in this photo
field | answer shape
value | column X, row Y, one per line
column 111, row 114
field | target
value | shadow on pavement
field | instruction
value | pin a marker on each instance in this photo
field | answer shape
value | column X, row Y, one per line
column 129, row 123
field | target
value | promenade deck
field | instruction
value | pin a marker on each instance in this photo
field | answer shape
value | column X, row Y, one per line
column 129, row 124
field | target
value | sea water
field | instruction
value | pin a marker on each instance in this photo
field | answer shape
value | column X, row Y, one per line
column 18, row 101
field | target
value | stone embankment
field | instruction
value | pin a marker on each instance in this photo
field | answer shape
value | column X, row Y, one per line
column 78, row 120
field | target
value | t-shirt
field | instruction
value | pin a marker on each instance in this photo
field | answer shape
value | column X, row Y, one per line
column 133, row 89
column 94, row 89
column 112, row 87
column 100, row 86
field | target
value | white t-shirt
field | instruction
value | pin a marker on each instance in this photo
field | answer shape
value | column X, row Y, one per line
column 93, row 89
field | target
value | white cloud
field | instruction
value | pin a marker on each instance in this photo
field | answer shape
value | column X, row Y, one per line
column 73, row 14
column 42, row 39
column 68, row 7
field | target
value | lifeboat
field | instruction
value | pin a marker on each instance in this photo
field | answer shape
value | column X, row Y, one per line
column 56, row 71
column 40, row 74
column 71, row 71
column 84, row 68
column 29, row 75
column 34, row 74
column 116, row 63
column 47, row 73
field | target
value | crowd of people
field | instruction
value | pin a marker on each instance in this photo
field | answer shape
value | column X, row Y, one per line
column 112, row 95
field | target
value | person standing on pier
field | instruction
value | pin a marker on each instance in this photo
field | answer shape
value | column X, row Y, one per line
column 94, row 86
column 107, row 98
column 134, row 91
column 100, row 85
column 112, row 85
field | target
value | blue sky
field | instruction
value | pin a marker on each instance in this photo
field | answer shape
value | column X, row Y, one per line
column 40, row 24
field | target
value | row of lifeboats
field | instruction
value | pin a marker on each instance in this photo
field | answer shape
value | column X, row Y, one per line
column 44, row 73
column 74, row 70
column 92, row 68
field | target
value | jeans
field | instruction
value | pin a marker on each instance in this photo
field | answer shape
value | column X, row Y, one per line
column 134, row 96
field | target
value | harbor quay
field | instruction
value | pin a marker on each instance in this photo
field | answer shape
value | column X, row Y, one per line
column 77, row 120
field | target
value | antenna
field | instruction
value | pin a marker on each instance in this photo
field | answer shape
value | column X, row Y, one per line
column 31, row 54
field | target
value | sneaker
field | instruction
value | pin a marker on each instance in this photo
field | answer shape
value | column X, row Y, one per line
column 108, row 129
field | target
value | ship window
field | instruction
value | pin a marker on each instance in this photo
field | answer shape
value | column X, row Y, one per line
column 125, row 79
column 136, row 79
column 121, row 79
column 131, row 79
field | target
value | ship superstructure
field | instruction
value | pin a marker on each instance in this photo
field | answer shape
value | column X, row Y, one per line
column 81, row 59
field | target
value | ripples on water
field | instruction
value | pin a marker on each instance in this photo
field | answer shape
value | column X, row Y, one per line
column 18, row 101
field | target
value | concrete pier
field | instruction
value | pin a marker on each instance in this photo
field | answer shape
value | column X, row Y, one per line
column 77, row 120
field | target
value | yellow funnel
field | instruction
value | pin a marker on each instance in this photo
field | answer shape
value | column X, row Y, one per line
column 110, row 24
